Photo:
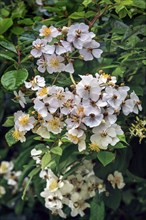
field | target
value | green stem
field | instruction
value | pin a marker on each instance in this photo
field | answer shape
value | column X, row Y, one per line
column 72, row 79
column 55, row 79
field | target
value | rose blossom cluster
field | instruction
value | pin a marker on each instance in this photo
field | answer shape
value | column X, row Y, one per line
column 10, row 175
column 57, row 48
column 92, row 107
column 73, row 191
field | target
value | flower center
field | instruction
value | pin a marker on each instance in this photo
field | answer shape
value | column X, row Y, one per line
column 94, row 147
column 38, row 46
column 53, row 185
column 106, row 76
column 54, row 62
column 43, row 91
column 46, row 32
column 16, row 134
column 4, row 168
column 60, row 95
column 23, row 120
column 80, row 110
column 54, row 123
column 73, row 138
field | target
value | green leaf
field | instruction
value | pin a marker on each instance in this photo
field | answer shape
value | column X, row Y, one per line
column 46, row 159
column 77, row 15
column 9, row 122
column 5, row 56
column 11, row 80
column 119, row 71
column 137, row 89
column 4, row 12
column 97, row 211
column 19, row 206
column 57, row 150
column 2, row 105
column 86, row 2
column 113, row 200
column 17, row 30
column 26, row 21
column 5, row 24
column 9, row 138
column 119, row 145
column 139, row 4
column 144, row 62
column 31, row 175
column 105, row 157
column 124, row 2
column 122, row 138
column 19, row 11
column 8, row 46
column 90, row 14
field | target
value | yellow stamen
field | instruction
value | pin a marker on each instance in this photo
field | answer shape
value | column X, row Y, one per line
column 16, row 134
column 54, row 123
column 106, row 76
column 23, row 120
column 54, row 62
column 73, row 138
column 80, row 110
column 94, row 147
column 46, row 32
column 4, row 168
column 43, row 91
column 38, row 46
column 53, row 185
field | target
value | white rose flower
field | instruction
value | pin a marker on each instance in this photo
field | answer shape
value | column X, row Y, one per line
column 35, row 84
column 116, row 179
column 90, row 50
column 23, row 121
column 39, row 46
column 49, row 32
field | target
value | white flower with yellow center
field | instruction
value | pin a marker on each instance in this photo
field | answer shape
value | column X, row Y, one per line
column 42, row 64
column 20, row 98
column 53, row 124
column 88, row 87
column 57, row 96
column 19, row 135
column 23, row 121
column 43, row 132
column 102, row 136
column 49, row 32
column 35, row 84
column 79, row 34
column 90, row 50
column 116, row 179
column 105, row 78
column 55, row 64
column 53, row 184
column 38, row 49
column 42, row 92
column 6, row 167
column 77, row 136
